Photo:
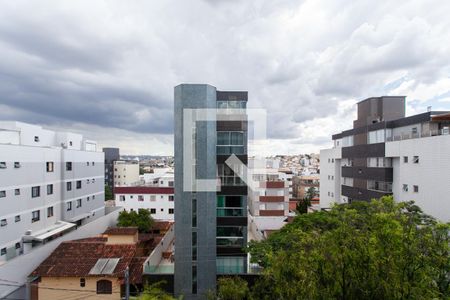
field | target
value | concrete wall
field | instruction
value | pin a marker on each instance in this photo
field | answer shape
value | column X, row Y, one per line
column 56, row 288
column 330, row 187
column 431, row 174
column 195, row 96
column 18, row 269
column 159, row 202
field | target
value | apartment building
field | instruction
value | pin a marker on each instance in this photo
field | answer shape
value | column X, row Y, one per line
column 268, row 205
column 388, row 153
column 211, row 229
column 111, row 155
column 159, row 200
column 49, row 183
column 126, row 173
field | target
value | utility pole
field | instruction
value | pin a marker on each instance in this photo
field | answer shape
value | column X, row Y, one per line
column 127, row 284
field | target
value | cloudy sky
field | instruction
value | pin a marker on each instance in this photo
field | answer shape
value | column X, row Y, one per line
column 107, row 68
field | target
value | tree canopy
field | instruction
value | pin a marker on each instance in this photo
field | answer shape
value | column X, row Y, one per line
column 365, row 250
column 141, row 219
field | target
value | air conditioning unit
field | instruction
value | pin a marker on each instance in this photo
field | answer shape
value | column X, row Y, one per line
column 28, row 232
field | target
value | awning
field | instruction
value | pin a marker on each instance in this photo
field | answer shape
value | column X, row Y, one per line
column 79, row 217
column 41, row 235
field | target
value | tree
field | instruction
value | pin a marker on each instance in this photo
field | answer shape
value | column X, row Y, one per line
column 141, row 170
column 108, row 193
column 155, row 292
column 365, row 250
column 303, row 204
column 141, row 219
column 231, row 288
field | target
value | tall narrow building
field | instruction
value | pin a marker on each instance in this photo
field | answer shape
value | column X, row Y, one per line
column 211, row 225
column 387, row 153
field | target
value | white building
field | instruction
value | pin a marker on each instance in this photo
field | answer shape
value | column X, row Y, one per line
column 126, row 173
column 268, row 204
column 158, row 200
column 388, row 153
column 49, row 182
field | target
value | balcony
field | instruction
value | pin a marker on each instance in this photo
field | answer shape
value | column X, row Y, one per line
column 361, row 194
column 271, row 198
column 272, row 184
column 380, row 174
column 230, row 241
column 271, row 213
column 230, row 212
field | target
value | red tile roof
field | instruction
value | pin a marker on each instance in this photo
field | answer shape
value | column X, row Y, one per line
column 121, row 230
column 143, row 190
column 76, row 259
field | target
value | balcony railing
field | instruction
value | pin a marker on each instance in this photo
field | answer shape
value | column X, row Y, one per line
column 230, row 212
column 231, row 181
column 160, row 269
column 408, row 136
column 230, row 241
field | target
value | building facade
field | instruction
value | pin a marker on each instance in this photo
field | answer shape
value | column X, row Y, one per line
column 388, row 153
column 159, row 201
column 49, row 182
column 211, row 229
column 126, row 173
column 111, row 155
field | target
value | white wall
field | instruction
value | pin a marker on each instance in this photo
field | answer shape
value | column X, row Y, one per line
column 18, row 269
column 160, row 203
column 330, row 187
column 431, row 174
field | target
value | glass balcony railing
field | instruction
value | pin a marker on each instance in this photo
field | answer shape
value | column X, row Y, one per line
column 230, row 241
column 230, row 212
column 231, row 181
column 160, row 269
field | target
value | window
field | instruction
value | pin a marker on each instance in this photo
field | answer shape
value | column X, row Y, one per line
column 69, row 166
column 93, row 180
column 16, row 164
column 93, row 197
column 194, row 279
column 140, row 198
column 17, row 192
column 49, row 189
column 36, row 138
column 230, row 142
column 35, row 216
column 3, row 251
column 416, row 188
column 17, row 246
column 104, row 287
column 3, row 222
column 170, row 183
column 2, row 194
column 415, row 159
column 69, row 206
column 414, row 130
column 153, row 198
column 50, row 166
column 87, row 181
column 82, row 282
column 405, row 159
column 2, row 165
column 171, row 198
column 93, row 163
column 194, row 213
column 377, row 136
column 152, row 211
column 70, row 143
column 121, row 198
column 87, row 198
column 35, row 191
column 17, row 218
column 170, row 211
column 78, row 184
column 405, row 187
column 87, row 163
column 50, row 212
column 78, row 203
column 69, row 186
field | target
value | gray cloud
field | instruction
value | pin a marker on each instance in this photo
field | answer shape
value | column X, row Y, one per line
column 111, row 66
